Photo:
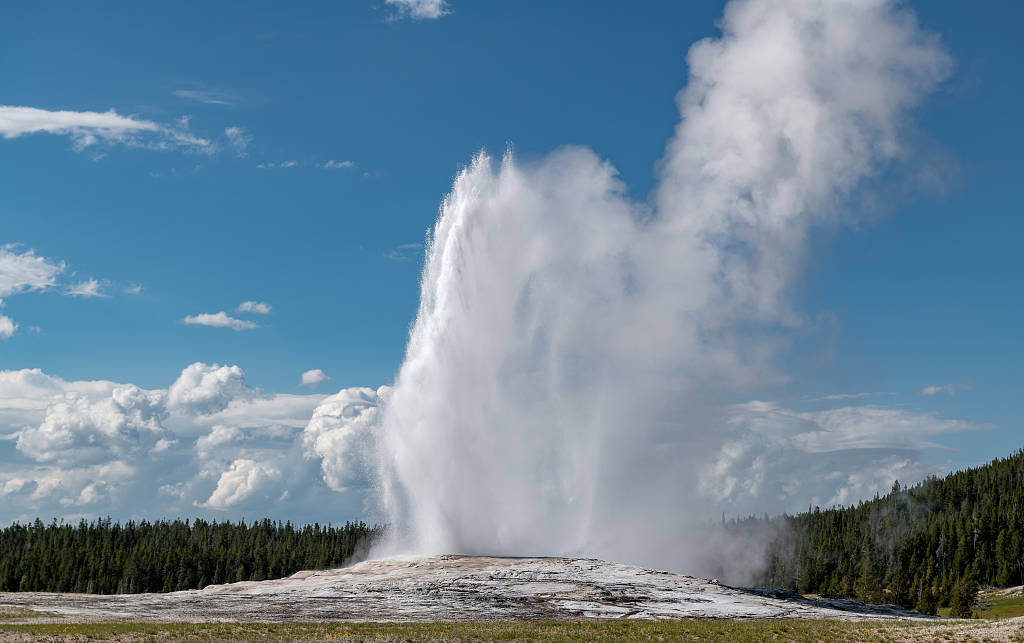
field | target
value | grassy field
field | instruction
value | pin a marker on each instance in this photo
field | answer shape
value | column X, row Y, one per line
column 995, row 605
column 686, row 630
column 995, row 609
column 1002, row 606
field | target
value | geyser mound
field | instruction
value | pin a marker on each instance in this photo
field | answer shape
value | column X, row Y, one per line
column 454, row 588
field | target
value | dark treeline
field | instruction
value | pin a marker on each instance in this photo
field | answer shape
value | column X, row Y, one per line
column 106, row 557
column 922, row 547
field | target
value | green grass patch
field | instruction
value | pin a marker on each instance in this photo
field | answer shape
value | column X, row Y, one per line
column 996, row 606
column 991, row 605
column 683, row 630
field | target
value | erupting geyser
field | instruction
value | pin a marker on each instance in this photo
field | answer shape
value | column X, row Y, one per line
column 564, row 381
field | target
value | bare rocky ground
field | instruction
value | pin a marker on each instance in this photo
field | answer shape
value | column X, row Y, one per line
column 1005, row 591
column 451, row 588
column 1011, row 629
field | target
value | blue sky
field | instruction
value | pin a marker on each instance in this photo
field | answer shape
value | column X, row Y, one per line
column 407, row 102
column 297, row 157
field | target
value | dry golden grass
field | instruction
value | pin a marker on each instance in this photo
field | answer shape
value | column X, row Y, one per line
column 684, row 630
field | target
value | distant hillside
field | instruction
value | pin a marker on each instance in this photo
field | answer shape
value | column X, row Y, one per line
column 107, row 558
column 921, row 547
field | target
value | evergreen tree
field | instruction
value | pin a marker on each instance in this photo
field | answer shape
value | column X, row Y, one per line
column 927, row 603
column 105, row 557
column 924, row 546
column 964, row 598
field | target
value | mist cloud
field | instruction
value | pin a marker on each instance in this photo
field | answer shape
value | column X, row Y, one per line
column 576, row 355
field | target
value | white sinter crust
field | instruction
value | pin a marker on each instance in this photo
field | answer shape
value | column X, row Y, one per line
column 456, row 588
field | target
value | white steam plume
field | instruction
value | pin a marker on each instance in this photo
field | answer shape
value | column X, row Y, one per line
column 566, row 378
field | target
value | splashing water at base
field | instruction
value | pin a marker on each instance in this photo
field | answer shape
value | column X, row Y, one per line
column 574, row 351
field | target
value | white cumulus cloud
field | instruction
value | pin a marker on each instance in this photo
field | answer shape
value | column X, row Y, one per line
column 342, row 433
column 207, row 388
column 256, row 307
column 79, row 429
column 218, row 436
column 419, row 9
column 314, row 377
column 243, row 479
column 935, row 389
column 7, row 327
column 220, row 320
column 96, row 447
column 210, row 441
column 247, row 409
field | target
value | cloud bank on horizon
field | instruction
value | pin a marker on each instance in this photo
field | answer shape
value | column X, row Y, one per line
column 210, row 444
column 206, row 442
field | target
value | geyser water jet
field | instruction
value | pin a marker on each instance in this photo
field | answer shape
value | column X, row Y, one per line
column 573, row 352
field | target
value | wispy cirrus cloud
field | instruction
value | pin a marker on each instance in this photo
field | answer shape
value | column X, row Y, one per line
column 871, row 427
column 338, row 165
column 238, row 140
column 327, row 165
column 278, row 166
column 843, row 396
column 841, row 454
column 24, row 271
column 86, row 128
column 209, row 97
column 404, row 252
column 87, row 288
column 220, row 320
column 948, row 389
